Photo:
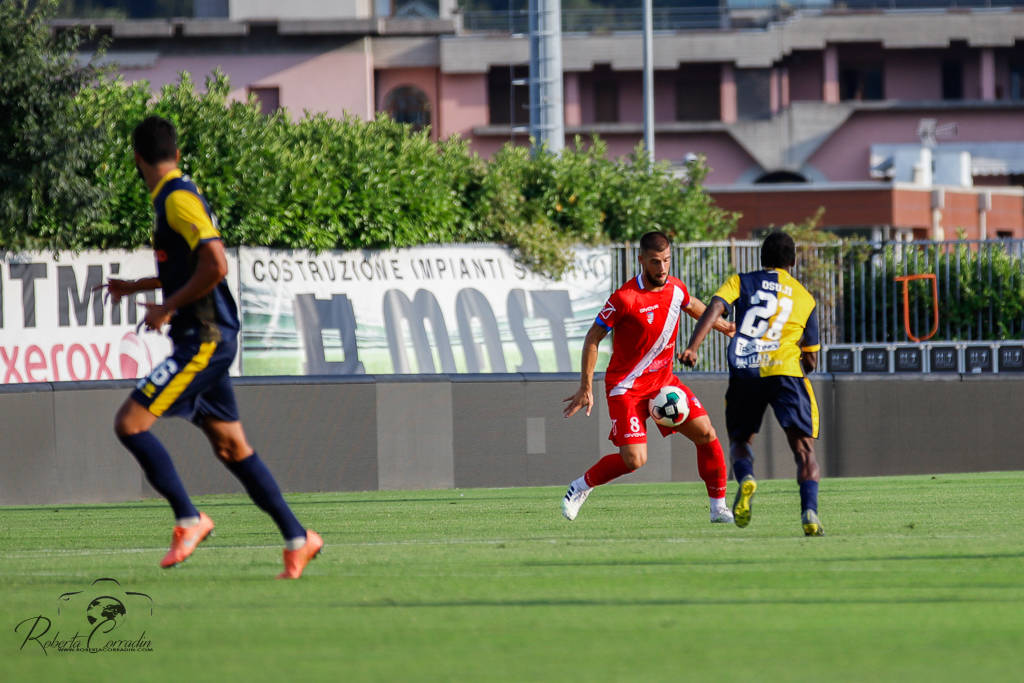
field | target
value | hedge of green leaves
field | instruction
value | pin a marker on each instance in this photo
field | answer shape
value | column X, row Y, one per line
column 324, row 183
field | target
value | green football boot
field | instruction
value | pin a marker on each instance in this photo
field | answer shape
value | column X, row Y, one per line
column 741, row 503
column 812, row 525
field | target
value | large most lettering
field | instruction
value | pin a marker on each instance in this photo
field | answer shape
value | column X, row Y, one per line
column 417, row 332
column 465, row 309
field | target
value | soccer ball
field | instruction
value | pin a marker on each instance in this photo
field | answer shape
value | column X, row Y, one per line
column 136, row 360
column 669, row 407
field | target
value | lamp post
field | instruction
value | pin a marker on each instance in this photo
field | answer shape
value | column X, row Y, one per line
column 547, row 118
column 648, row 66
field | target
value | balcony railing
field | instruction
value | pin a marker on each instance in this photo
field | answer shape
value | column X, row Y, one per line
column 601, row 20
column 730, row 14
column 925, row 4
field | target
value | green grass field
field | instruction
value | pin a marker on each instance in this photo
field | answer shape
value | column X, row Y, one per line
column 919, row 579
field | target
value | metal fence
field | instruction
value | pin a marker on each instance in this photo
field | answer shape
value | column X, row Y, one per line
column 979, row 287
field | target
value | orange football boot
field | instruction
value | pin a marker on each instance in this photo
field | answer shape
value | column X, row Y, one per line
column 296, row 560
column 185, row 540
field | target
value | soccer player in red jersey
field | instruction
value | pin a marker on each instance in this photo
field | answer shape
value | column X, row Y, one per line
column 644, row 313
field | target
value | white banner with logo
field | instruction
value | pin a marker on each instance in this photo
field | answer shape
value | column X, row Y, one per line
column 456, row 309
column 56, row 325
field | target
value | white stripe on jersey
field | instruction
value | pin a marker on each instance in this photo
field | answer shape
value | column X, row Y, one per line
column 666, row 335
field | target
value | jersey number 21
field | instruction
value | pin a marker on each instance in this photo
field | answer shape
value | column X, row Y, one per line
column 757, row 322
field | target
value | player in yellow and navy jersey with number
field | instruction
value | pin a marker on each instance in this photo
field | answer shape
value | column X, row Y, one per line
column 193, row 382
column 776, row 344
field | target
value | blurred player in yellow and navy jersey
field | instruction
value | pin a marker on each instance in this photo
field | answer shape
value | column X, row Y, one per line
column 193, row 382
column 776, row 344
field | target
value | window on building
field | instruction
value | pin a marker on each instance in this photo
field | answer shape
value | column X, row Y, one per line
column 780, row 177
column 207, row 9
column 133, row 9
column 606, row 95
column 508, row 95
column 408, row 104
column 861, row 82
column 753, row 94
column 1017, row 80
column 697, row 92
column 269, row 98
column 415, row 9
column 952, row 79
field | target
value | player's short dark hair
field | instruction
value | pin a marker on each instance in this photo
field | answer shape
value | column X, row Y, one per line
column 655, row 241
column 778, row 251
column 155, row 140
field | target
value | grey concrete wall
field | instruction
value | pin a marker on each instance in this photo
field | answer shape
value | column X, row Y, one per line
column 884, row 425
column 365, row 433
column 415, row 436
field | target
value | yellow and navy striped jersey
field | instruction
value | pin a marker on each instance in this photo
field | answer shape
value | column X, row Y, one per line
column 776, row 319
column 183, row 222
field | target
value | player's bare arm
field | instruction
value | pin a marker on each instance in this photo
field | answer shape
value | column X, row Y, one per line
column 711, row 314
column 584, row 396
column 117, row 288
column 809, row 361
column 695, row 309
column 211, row 268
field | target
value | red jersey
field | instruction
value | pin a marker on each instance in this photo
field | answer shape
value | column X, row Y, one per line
column 645, row 324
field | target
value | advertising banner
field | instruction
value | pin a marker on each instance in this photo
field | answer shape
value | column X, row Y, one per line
column 456, row 309
column 444, row 309
column 56, row 324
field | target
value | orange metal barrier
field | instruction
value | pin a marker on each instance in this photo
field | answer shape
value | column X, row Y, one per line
column 905, row 279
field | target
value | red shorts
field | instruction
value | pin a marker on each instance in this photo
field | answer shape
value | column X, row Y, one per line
column 629, row 415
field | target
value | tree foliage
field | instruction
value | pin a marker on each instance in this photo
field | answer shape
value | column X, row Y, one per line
column 48, row 153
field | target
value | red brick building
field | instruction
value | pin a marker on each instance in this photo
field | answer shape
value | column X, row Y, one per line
column 887, row 210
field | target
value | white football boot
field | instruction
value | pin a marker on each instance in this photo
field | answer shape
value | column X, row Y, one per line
column 721, row 515
column 575, row 497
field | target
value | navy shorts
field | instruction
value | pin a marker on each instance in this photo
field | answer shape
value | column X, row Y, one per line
column 193, row 382
column 791, row 398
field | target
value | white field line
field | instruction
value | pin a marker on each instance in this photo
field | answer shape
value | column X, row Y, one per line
column 84, row 552
column 40, row 552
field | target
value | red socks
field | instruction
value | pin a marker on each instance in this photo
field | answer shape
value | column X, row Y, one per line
column 711, row 465
column 611, row 466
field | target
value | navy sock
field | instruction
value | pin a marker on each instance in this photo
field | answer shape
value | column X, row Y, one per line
column 159, row 470
column 741, row 467
column 264, row 491
column 809, row 495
